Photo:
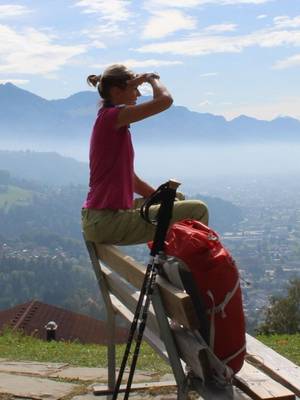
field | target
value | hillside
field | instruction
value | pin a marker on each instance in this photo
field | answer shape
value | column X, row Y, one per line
column 44, row 167
column 41, row 239
column 70, row 120
column 11, row 196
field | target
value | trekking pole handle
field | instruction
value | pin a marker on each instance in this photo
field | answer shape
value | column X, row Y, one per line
column 173, row 184
column 164, row 215
column 156, row 198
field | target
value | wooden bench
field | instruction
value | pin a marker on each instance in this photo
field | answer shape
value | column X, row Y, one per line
column 265, row 375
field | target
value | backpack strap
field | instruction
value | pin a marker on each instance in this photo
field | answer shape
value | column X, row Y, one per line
column 221, row 307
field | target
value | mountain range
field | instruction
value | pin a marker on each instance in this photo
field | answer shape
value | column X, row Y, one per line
column 25, row 116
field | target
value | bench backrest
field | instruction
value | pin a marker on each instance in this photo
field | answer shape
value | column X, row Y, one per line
column 177, row 303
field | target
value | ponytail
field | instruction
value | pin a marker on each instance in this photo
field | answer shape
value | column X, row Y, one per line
column 93, row 80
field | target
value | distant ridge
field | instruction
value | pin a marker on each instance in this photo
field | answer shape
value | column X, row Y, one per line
column 44, row 167
column 25, row 116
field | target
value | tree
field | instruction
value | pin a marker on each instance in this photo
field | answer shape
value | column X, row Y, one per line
column 283, row 313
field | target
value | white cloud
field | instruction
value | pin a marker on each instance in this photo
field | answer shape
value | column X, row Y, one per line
column 110, row 10
column 33, row 52
column 207, row 74
column 194, row 46
column 209, row 44
column 171, row 3
column 15, row 81
column 287, row 22
column 194, row 3
column 97, row 44
column 131, row 63
column 165, row 22
column 220, row 28
column 233, row 2
column 13, row 10
column 293, row 61
column 262, row 16
column 205, row 103
column 110, row 16
column 109, row 30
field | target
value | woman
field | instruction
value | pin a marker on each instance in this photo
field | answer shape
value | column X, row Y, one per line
column 110, row 214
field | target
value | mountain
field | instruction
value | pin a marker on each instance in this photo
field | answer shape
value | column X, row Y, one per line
column 26, row 117
column 48, row 168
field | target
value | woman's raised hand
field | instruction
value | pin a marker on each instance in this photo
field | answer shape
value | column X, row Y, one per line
column 143, row 78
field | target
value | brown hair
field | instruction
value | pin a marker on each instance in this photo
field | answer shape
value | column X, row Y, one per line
column 114, row 75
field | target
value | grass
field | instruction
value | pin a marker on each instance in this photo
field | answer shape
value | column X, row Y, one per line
column 18, row 347
column 286, row 345
column 14, row 196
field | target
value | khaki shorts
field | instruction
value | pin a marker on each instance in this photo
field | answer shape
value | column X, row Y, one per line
column 126, row 227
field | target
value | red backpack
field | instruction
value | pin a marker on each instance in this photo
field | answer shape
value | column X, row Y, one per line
column 216, row 279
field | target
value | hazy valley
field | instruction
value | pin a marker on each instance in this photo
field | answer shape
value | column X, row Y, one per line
column 246, row 170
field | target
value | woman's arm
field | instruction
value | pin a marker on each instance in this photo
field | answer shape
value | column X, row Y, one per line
column 142, row 188
column 162, row 100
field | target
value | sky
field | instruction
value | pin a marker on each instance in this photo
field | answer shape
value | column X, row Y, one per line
column 225, row 57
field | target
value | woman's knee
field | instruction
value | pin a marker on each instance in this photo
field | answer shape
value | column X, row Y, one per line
column 201, row 212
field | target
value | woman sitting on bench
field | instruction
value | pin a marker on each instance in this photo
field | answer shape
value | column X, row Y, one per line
column 110, row 214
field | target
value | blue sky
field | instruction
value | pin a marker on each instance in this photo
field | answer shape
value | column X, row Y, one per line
column 226, row 57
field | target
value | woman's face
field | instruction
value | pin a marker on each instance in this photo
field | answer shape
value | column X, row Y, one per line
column 130, row 95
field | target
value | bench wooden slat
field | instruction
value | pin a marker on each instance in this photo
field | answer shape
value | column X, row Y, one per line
column 239, row 395
column 151, row 338
column 178, row 304
column 275, row 365
column 259, row 386
column 127, row 295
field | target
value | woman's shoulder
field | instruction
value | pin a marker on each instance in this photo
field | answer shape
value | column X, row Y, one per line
column 107, row 116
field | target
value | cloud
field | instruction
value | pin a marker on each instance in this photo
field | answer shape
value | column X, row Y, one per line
column 194, row 46
column 207, row 74
column 194, row 3
column 13, row 10
column 30, row 51
column 205, row 103
column 165, row 22
column 15, row 81
column 109, row 10
column 203, row 43
column 287, row 22
column 262, row 16
column 293, row 61
column 151, row 63
column 109, row 30
column 110, row 15
column 171, row 3
column 220, row 28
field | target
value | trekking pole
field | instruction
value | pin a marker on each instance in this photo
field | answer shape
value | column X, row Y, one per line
column 165, row 195
column 163, row 219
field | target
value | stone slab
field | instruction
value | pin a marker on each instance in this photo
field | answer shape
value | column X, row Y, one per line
column 33, row 387
column 133, row 395
column 30, row 367
column 97, row 374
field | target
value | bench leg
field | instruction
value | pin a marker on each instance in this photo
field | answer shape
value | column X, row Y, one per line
column 167, row 337
column 110, row 315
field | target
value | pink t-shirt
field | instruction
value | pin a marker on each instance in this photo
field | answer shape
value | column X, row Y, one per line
column 111, row 164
